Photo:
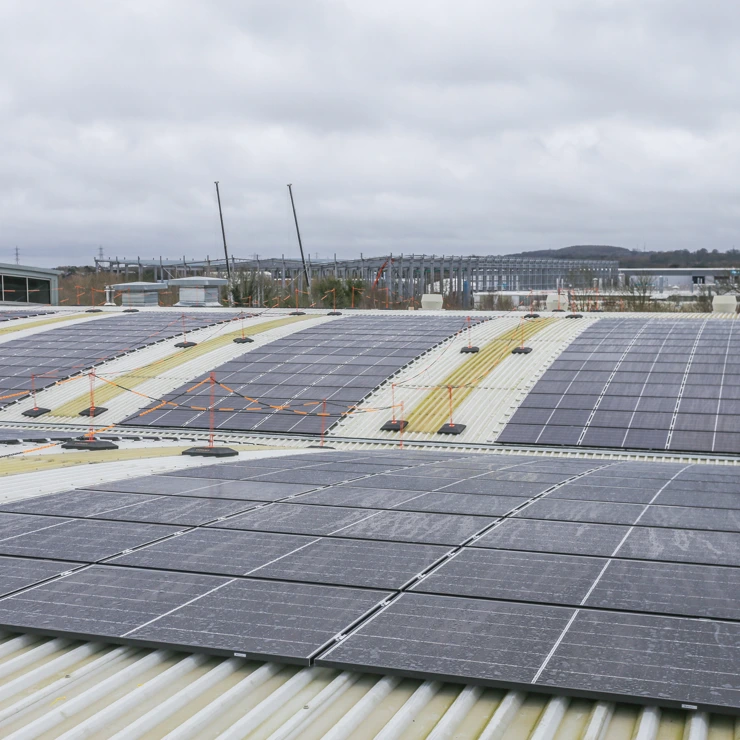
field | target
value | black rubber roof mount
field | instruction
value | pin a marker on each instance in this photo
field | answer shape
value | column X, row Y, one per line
column 297, row 313
column 38, row 411
column 130, row 310
column 185, row 345
column 243, row 340
column 521, row 350
column 451, row 429
column 469, row 350
column 334, row 313
column 210, row 452
column 531, row 316
column 574, row 316
column 394, row 425
column 94, row 445
column 95, row 412
column 94, row 310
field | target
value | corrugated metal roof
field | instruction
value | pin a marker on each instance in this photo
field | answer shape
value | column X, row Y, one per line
column 56, row 688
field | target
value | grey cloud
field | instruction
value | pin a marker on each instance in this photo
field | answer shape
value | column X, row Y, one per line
column 458, row 127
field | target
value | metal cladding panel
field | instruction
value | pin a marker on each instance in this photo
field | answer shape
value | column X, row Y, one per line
column 574, row 538
column 668, row 588
column 19, row 573
column 365, row 563
column 471, row 639
column 296, row 519
column 82, row 540
column 681, row 660
column 215, row 551
column 514, row 576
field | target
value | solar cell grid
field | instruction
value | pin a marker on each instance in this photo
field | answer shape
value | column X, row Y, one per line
column 77, row 348
column 508, row 609
column 385, row 346
column 81, row 540
column 662, row 366
column 215, row 551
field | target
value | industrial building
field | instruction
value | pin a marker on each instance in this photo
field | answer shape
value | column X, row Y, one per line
column 424, row 525
column 22, row 284
column 403, row 277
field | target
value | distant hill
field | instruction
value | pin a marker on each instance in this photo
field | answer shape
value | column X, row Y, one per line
column 636, row 258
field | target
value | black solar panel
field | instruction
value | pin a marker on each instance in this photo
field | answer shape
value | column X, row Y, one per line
column 11, row 314
column 304, row 382
column 659, row 384
column 59, row 353
column 600, row 565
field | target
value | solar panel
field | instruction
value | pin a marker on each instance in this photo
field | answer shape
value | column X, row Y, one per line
column 682, row 545
column 321, row 369
column 215, row 551
column 668, row 588
column 515, row 576
column 296, row 519
column 424, row 583
column 453, row 638
column 19, row 573
column 208, row 488
column 80, row 540
column 266, row 620
column 345, row 562
column 640, row 392
column 68, row 350
column 552, row 536
column 413, row 526
column 649, row 656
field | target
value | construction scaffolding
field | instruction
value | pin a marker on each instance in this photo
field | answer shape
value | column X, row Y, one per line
column 400, row 277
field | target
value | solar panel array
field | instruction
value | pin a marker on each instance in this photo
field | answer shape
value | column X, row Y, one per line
column 21, row 313
column 12, row 436
column 600, row 578
column 657, row 384
column 282, row 386
column 59, row 353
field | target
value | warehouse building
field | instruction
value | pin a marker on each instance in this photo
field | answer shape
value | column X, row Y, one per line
column 22, row 284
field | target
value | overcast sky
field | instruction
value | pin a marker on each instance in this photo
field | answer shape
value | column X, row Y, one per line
column 446, row 126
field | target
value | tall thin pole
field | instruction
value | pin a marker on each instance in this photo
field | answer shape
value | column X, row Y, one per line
column 226, row 251
column 300, row 243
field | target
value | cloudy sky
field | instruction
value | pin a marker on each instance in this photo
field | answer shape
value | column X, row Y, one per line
column 446, row 126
